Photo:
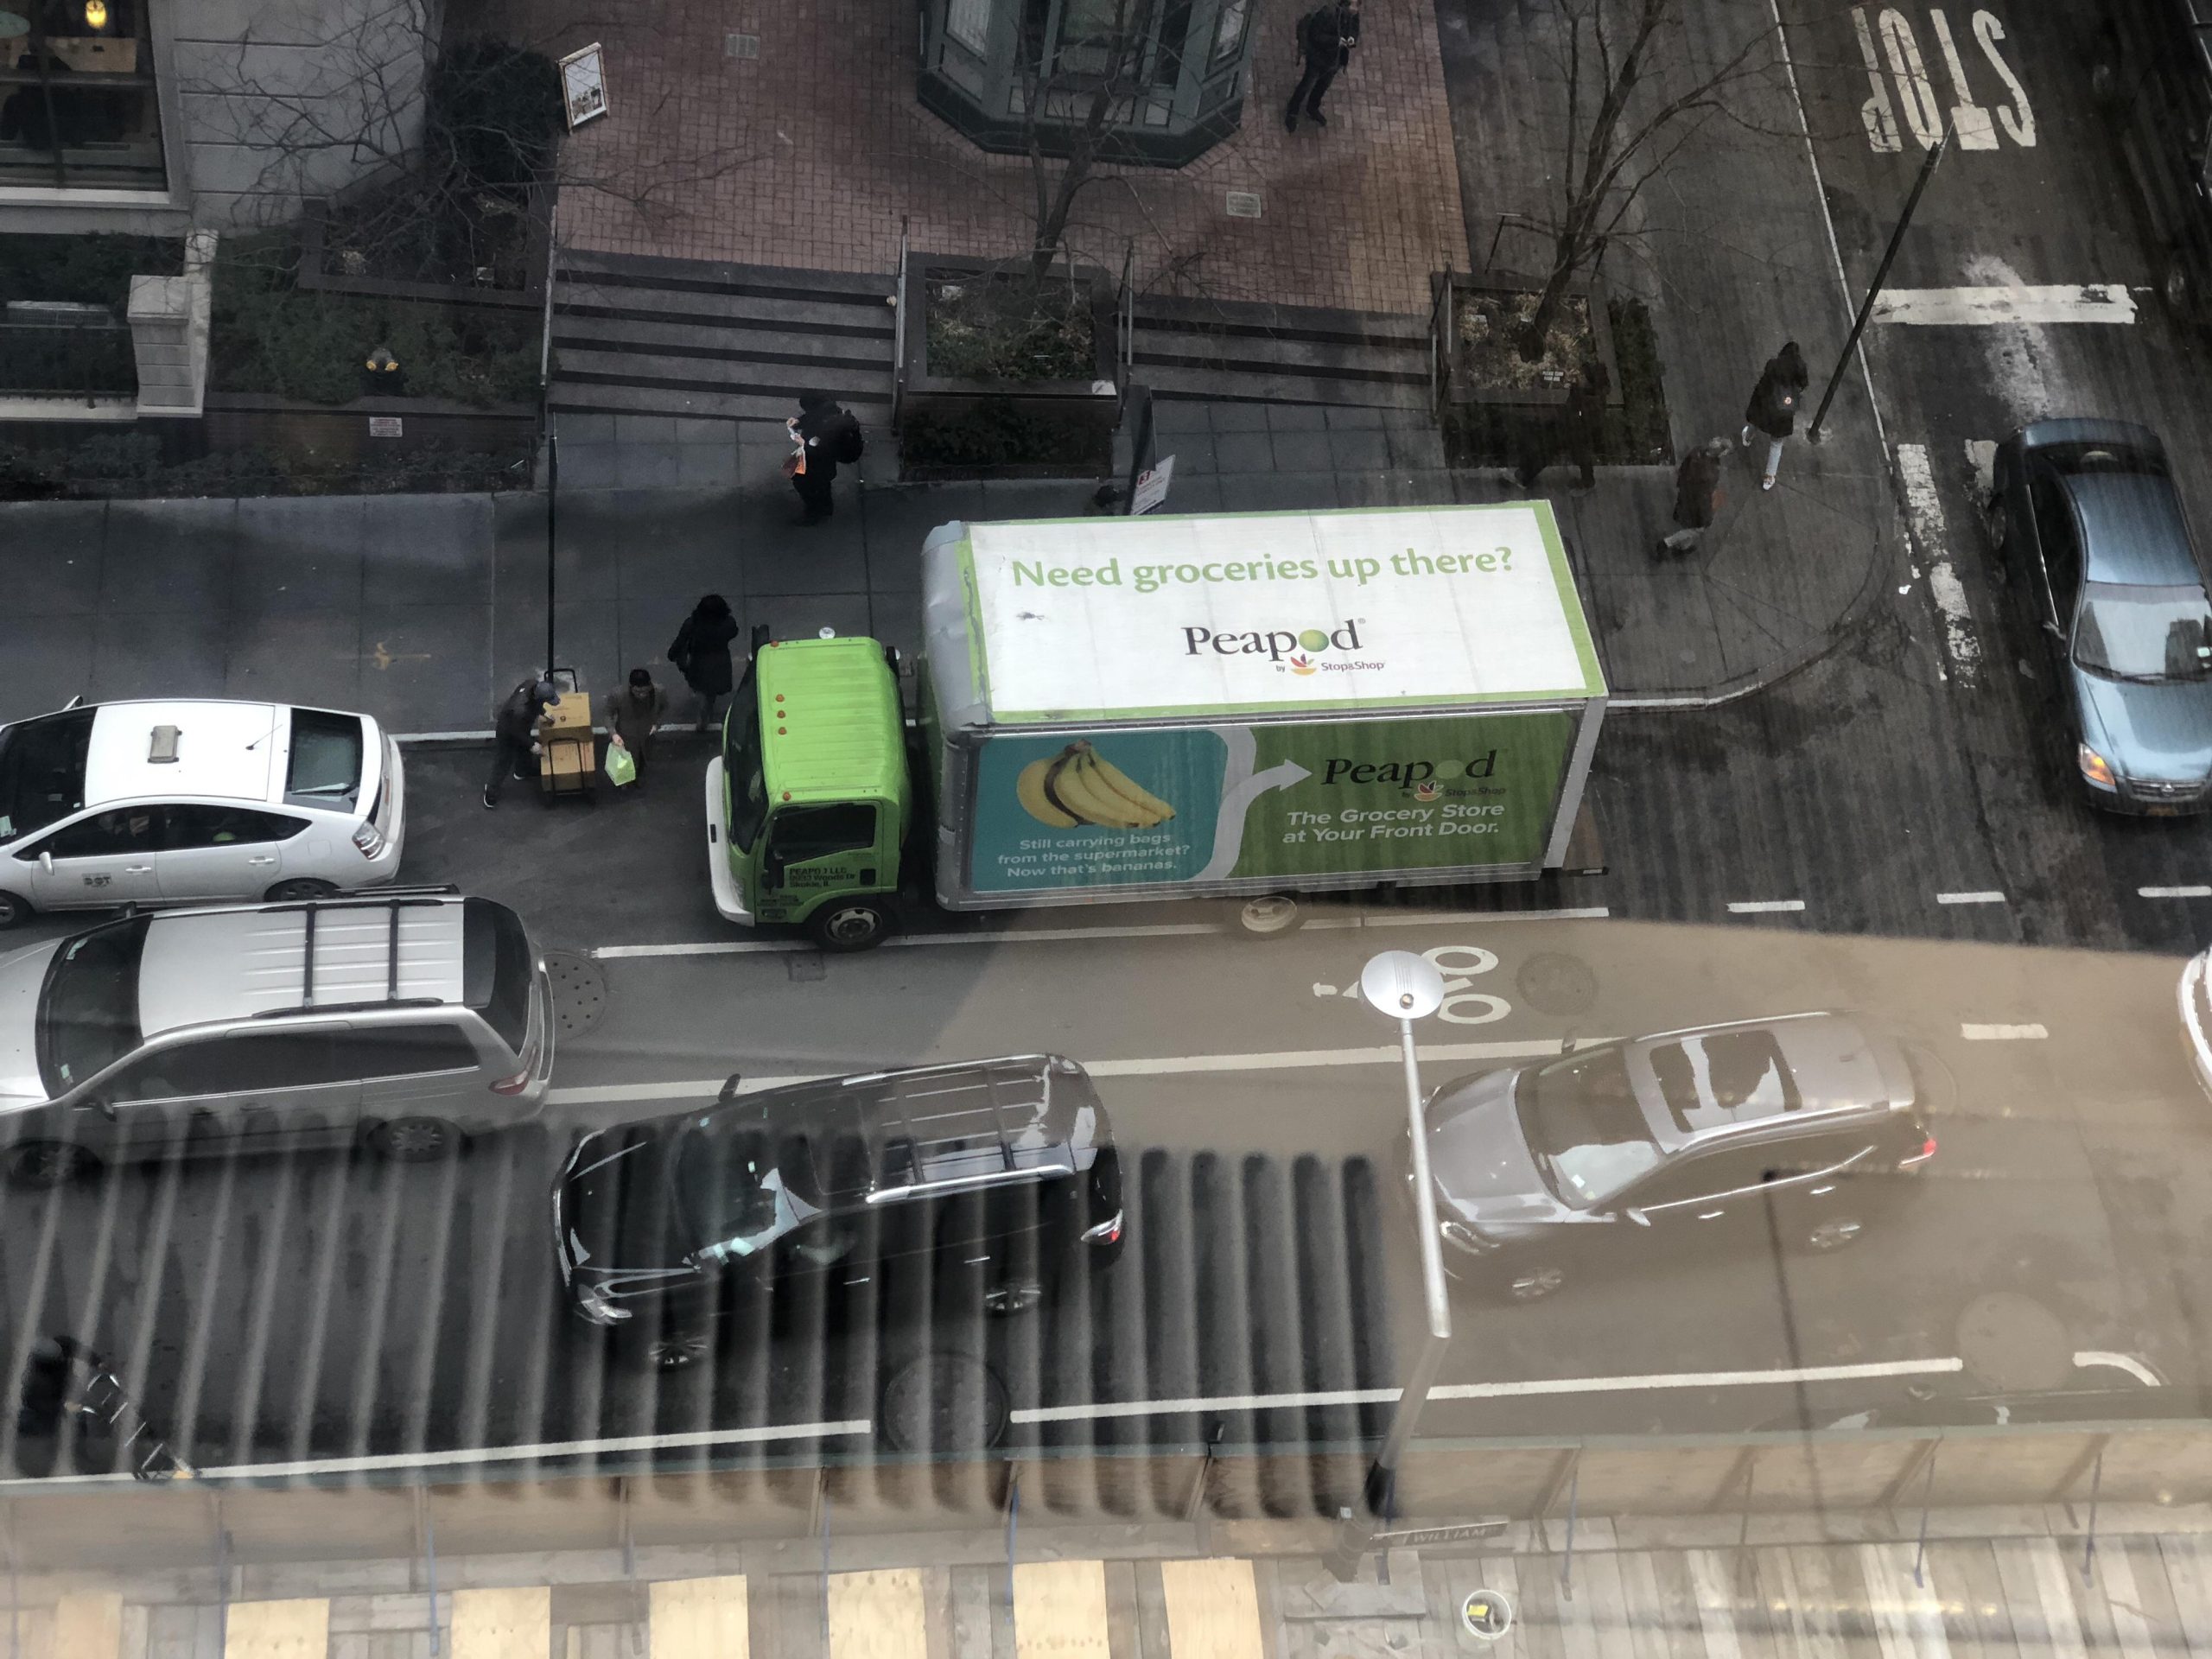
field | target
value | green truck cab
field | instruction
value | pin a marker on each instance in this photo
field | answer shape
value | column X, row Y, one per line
column 1247, row 706
column 809, row 801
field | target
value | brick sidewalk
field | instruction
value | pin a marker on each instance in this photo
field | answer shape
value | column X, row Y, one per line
column 809, row 156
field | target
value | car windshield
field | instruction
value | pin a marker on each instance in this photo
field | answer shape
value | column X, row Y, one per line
column 43, row 771
column 325, row 766
column 2144, row 633
column 1580, row 1118
column 741, row 765
column 88, row 1017
column 730, row 1177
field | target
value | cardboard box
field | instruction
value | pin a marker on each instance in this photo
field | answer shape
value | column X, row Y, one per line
column 568, row 715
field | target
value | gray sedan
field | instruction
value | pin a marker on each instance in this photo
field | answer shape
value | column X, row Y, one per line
column 1786, row 1126
column 2085, row 515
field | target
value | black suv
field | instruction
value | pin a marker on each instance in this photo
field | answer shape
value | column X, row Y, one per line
column 2151, row 72
column 1004, row 1164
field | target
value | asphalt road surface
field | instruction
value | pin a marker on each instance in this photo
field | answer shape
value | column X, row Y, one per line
column 1893, row 831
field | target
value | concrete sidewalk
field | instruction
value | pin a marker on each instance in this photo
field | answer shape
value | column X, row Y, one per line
column 1789, row 1587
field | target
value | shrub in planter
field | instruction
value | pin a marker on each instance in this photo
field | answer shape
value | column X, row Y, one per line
column 1634, row 434
column 997, row 326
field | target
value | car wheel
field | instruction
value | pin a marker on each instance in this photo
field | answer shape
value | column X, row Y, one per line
column 1833, row 1233
column 44, row 1164
column 1998, row 521
column 13, row 911
column 294, row 891
column 1269, row 916
column 1010, row 1296
column 666, row 1352
column 415, row 1140
column 1534, row 1282
column 850, row 924
column 2178, row 288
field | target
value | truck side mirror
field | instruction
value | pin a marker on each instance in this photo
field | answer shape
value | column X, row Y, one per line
column 762, row 635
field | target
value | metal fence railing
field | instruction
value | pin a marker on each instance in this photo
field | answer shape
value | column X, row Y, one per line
column 86, row 359
column 898, row 332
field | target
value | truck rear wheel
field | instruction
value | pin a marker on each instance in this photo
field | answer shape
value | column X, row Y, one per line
column 850, row 924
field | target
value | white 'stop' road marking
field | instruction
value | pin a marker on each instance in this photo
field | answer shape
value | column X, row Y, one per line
column 1148, row 930
column 1988, row 897
column 2175, row 893
column 1924, row 513
column 1170, row 1065
column 1762, row 906
column 2003, row 1034
column 1979, row 307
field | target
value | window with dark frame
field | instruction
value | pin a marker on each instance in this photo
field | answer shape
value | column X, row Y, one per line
column 77, row 104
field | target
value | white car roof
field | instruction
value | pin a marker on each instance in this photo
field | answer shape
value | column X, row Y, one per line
column 226, row 751
column 231, row 965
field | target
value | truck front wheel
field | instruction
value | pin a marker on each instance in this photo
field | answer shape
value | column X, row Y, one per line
column 850, row 924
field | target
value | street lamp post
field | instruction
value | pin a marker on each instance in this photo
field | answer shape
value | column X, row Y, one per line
column 1406, row 988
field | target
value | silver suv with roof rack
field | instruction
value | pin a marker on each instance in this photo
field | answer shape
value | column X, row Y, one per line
column 411, row 1019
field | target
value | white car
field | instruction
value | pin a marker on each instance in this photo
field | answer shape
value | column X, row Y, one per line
column 180, row 801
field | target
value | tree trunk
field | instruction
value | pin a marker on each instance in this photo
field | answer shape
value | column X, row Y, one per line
column 1566, row 257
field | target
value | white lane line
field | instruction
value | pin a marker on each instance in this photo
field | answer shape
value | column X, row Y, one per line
column 1984, row 897
column 2175, row 893
column 1173, row 1065
column 1062, row 935
column 2010, row 302
column 462, row 1457
column 1765, row 906
column 2135, row 1368
column 1106, row 1409
column 1923, row 511
column 2003, row 1034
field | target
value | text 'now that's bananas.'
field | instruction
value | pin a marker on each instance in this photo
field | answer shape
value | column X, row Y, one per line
column 1078, row 786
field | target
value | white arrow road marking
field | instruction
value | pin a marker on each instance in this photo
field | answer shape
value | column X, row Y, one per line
column 1229, row 827
column 1924, row 512
column 1974, row 308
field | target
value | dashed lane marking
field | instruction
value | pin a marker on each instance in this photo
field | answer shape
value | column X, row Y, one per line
column 1765, row 906
column 1171, row 1065
column 2176, row 892
column 1985, row 898
column 2010, row 303
column 2003, row 1034
column 1924, row 512
column 1062, row 935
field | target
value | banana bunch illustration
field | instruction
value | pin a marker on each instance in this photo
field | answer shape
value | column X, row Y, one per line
column 1078, row 786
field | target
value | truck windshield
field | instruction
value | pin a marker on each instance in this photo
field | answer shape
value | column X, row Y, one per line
column 748, row 789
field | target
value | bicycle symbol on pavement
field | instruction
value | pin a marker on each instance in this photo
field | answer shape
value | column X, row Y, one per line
column 1461, row 965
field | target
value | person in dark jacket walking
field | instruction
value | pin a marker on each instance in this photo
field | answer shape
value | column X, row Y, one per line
column 1697, row 497
column 822, row 435
column 634, row 713
column 1326, row 38
column 701, row 654
column 514, row 734
column 1773, row 409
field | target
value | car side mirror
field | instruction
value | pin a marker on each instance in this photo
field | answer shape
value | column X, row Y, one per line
column 729, row 1088
column 1637, row 1217
column 104, row 1108
column 46, row 860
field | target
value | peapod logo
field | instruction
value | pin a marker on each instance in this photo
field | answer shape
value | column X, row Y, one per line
column 1285, row 650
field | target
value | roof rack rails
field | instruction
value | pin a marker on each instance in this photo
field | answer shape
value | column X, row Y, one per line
column 395, row 900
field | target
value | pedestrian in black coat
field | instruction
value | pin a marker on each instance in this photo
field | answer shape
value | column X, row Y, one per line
column 1326, row 38
column 514, row 734
column 1697, row 497
column 1773, row 409
column 822, row 435
column 700, row 652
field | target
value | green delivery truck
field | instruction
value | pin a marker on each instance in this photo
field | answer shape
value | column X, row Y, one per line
column 1246, row 706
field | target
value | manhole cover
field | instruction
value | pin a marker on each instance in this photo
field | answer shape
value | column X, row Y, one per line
column 579, row 991
column 2010, row 1343
column 1485, row 1615
column 1552, row 981
column 943, row 1402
